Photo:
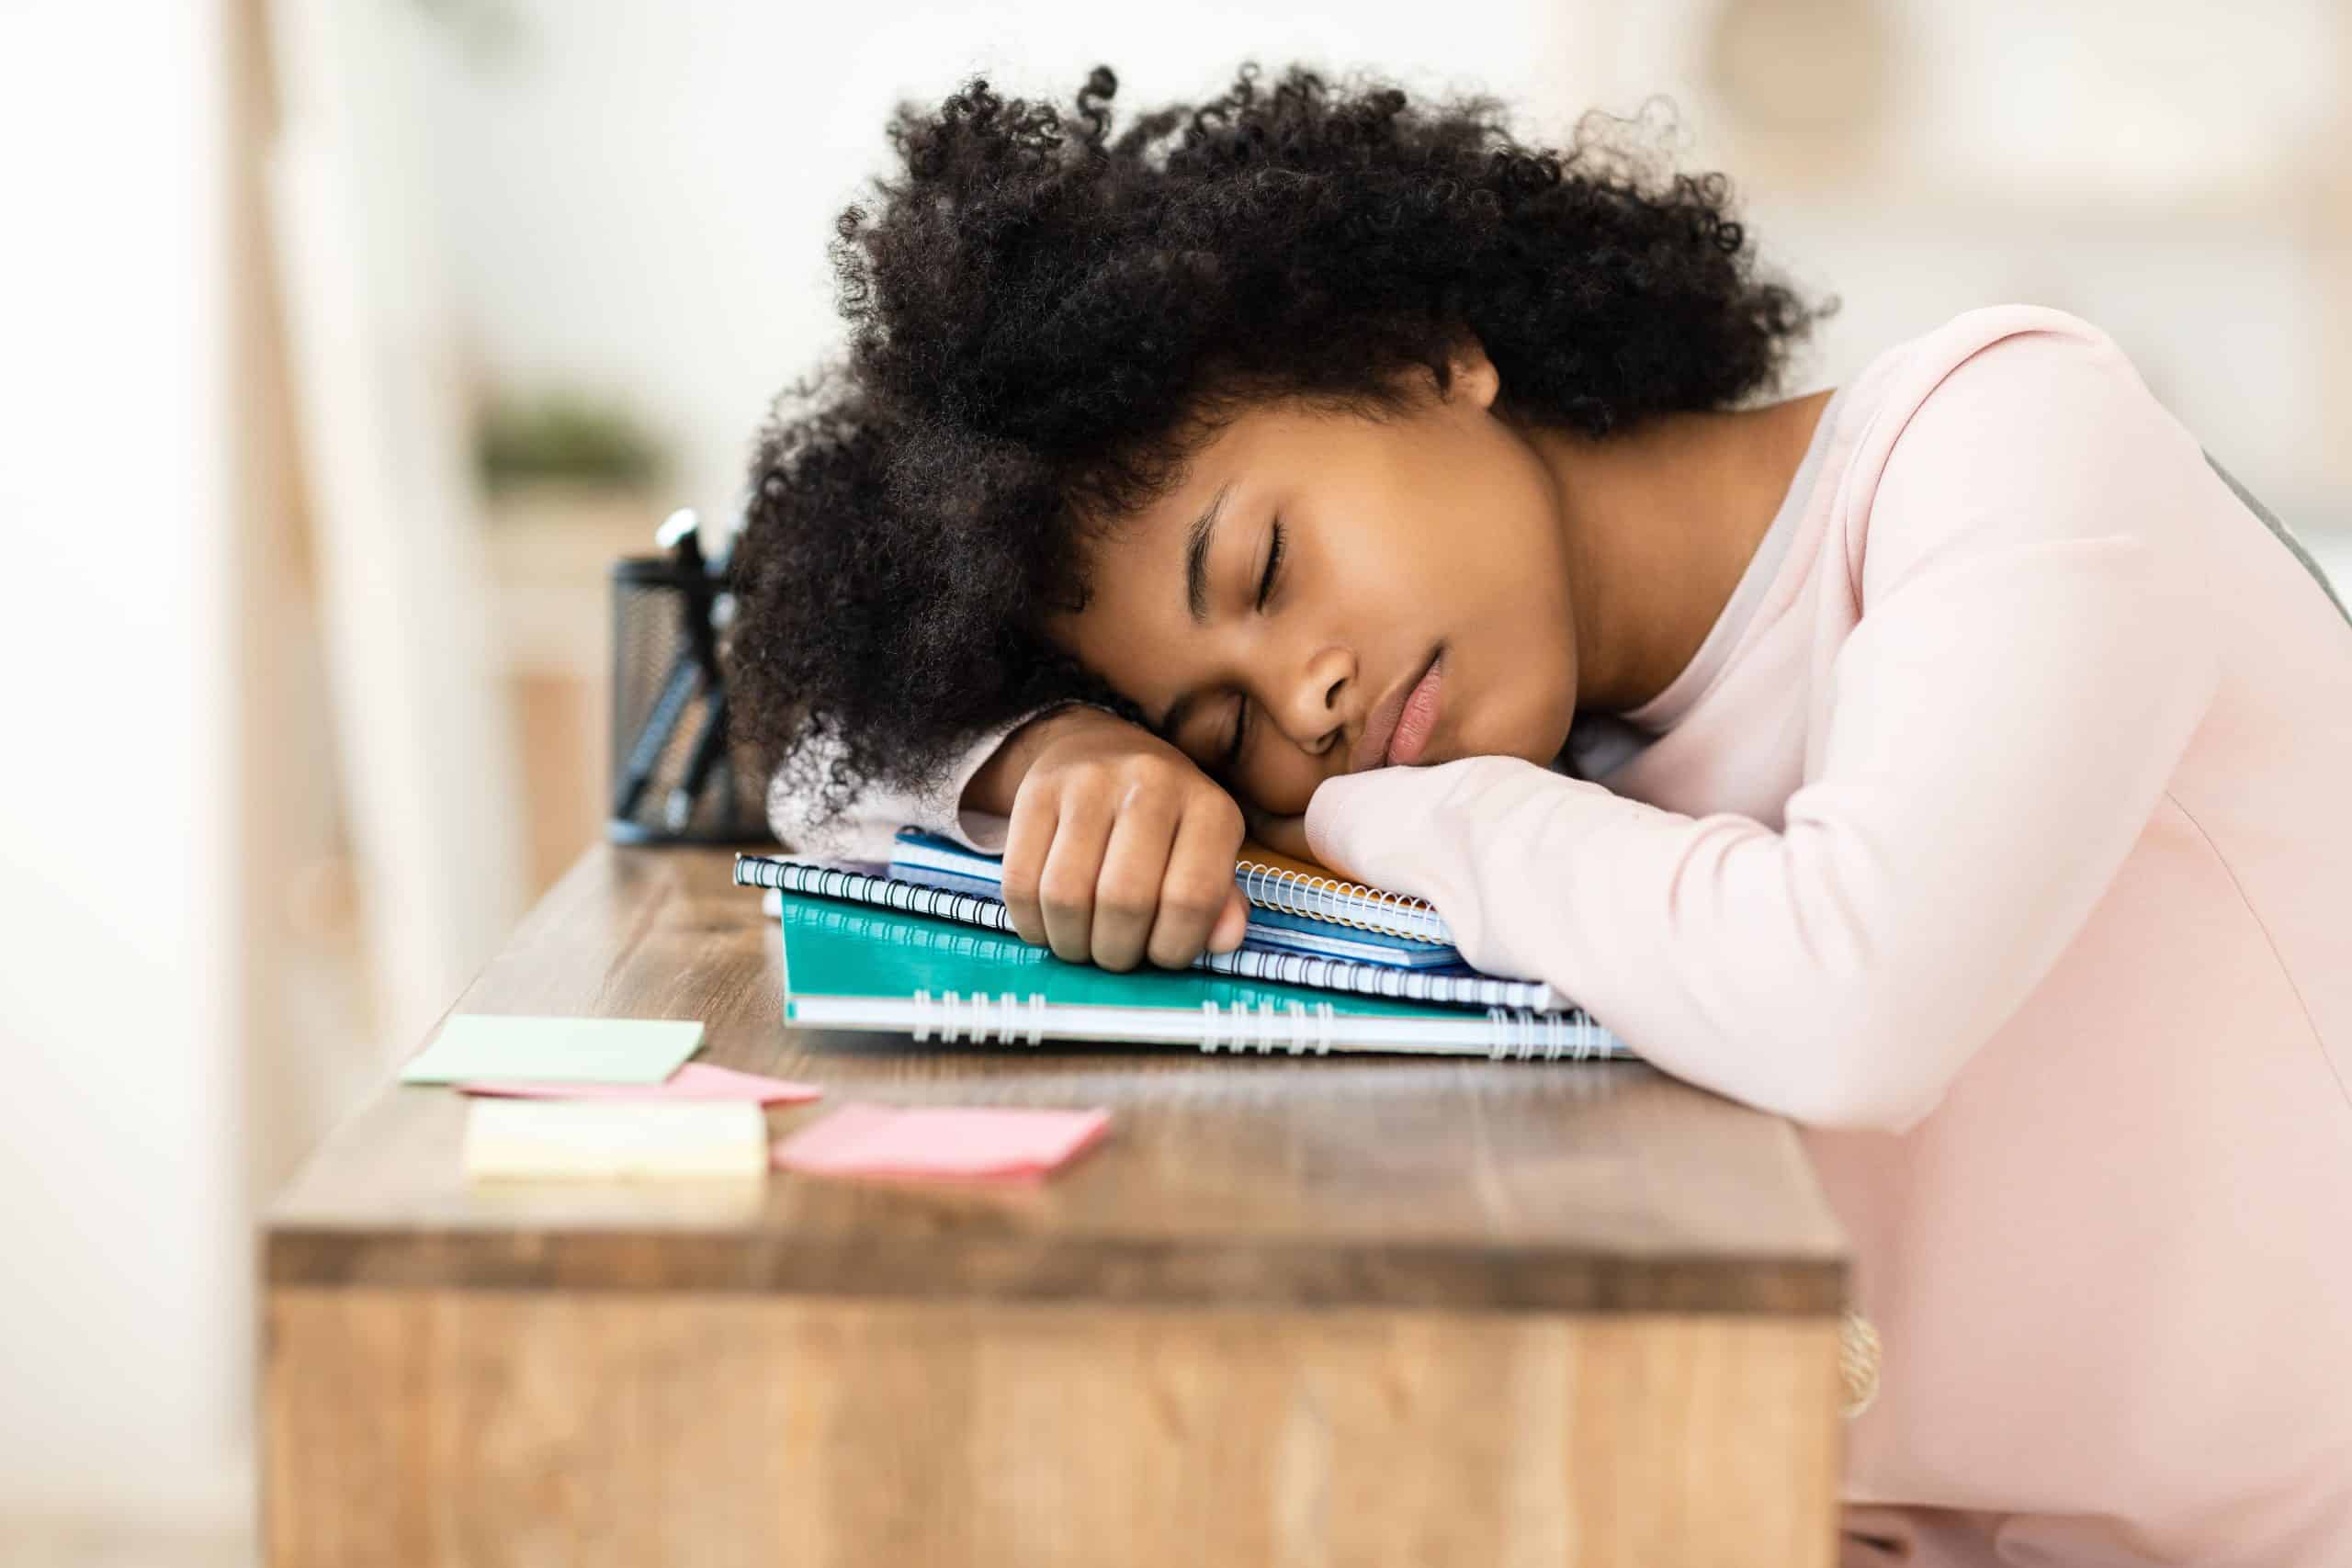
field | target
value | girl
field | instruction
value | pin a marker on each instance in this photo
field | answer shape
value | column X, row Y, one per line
column 1954, row 762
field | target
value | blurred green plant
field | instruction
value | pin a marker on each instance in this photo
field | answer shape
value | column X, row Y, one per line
column 491, row 33
column 565, row 437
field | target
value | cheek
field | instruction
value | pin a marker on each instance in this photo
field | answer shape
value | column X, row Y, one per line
column 1279, row 778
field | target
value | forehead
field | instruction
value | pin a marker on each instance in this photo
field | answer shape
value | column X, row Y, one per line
column 1137, row 620
column 1246, row 459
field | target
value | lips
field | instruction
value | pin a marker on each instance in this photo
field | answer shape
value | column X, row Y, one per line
column 1398, row 729
column 1419, row 720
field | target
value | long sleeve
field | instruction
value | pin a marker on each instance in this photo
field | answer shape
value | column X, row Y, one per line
column 2028, row 666
column 863, row 829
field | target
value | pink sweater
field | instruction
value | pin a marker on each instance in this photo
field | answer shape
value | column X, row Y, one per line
column 2007, row 851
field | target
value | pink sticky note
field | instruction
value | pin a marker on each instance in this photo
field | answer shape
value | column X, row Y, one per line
column 695, row 1080
column 940, row 1141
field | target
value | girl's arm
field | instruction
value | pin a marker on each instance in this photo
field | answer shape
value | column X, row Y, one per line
column 2029, row 667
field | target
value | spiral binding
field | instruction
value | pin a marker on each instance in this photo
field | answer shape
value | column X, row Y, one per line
column 1017, row 1021
column 1328, row 898
column 906, row 897
column 1550, row 1035
column 1240, row 1027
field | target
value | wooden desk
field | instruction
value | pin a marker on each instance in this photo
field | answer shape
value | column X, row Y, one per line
column 1291, row 1311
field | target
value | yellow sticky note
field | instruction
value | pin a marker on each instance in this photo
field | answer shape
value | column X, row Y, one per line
column 614, row 1140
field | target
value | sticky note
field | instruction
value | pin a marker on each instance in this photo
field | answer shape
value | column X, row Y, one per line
column 507, row 1139
column 555, row 1050
column 982, row 1143
column 695, row 1080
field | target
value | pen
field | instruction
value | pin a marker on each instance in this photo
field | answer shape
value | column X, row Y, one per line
column 708, row 746
column 660, row 723
column 697, row 663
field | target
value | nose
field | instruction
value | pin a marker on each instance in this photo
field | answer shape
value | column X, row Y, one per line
column 1310, row 713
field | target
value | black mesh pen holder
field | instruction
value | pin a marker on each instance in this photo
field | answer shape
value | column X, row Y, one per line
column 677, row 776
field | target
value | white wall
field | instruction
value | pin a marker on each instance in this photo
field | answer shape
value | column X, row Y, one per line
column 123, row 1325
column 2162, row 169
column 640, row 195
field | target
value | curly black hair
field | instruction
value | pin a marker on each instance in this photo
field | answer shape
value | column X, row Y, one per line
column 1046, row 320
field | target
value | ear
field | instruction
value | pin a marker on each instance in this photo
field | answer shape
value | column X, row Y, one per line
column 1477, row 382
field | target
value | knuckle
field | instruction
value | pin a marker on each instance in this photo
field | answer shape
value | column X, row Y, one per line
column 1063, row 893
column 1221, row 812
column 1126, row 788
column 1173, row 952
column 1124, row 896
column 1090, row 777
column 1195, row 896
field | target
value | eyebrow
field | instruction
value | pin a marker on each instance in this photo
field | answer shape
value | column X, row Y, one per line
column 1196, row 592
column 1196, row 556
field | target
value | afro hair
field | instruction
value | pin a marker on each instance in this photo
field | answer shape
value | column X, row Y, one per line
column 1046, row 319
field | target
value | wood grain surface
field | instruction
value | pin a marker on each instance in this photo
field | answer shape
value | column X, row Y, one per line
column 412, row 1428
column 1366, row 1183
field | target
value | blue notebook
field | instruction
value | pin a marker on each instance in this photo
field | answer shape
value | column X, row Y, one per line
column 1289, row 912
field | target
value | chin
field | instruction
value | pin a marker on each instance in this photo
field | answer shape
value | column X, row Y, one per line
column 1546, row 739
column 1529, row 719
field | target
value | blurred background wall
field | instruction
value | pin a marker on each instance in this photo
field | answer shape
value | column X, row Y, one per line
column 122, row 1324
column 646, row 190
column 343, row 343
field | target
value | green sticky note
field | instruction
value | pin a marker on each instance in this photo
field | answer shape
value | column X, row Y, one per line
column 475, row 1046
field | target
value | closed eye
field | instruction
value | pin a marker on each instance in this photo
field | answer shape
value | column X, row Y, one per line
column 1266, row 582
column 1273, row 566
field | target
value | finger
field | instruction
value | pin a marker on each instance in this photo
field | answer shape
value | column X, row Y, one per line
column 1066, row 887
column 1232, row 923
column 1283, row 835
column 1197, row 891
column 1128, row 893
column 1027, row 838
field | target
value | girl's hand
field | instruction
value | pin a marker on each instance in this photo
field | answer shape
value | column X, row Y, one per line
column 1119, row 848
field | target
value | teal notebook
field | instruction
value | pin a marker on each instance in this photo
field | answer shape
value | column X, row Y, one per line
column 855, row 968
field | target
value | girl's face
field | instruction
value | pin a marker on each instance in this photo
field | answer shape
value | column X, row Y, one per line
column 1325, row 593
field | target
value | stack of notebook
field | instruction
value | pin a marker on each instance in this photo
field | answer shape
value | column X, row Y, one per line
column 927, row 945
column 1293, row 908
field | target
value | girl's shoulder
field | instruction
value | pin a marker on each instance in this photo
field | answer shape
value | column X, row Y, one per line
column 2009, row 427
column 1999, row 347
column 2022, row 379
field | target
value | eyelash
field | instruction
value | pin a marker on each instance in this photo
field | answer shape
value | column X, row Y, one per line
column 1266, row 591
column 1273, row 565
